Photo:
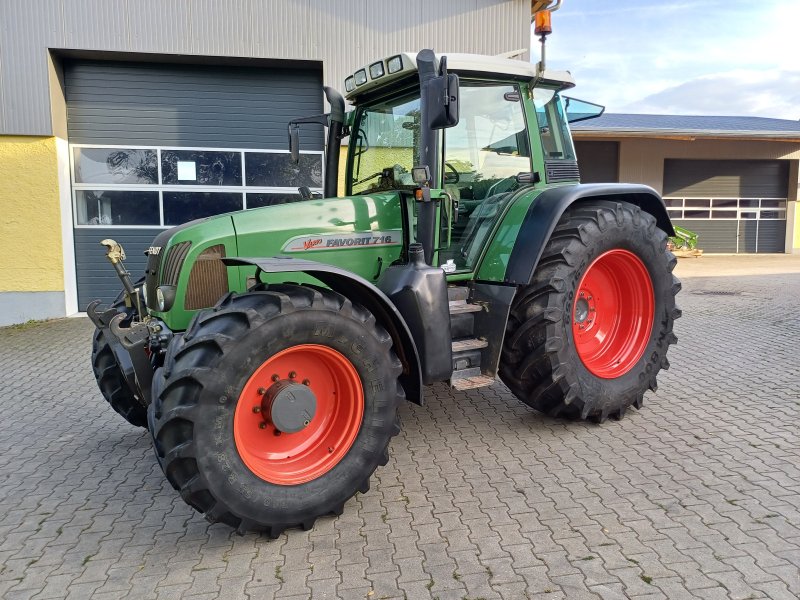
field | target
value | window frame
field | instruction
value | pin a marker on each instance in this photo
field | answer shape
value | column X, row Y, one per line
column 160, row 188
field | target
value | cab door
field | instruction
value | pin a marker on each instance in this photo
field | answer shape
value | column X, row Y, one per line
column 483, row 155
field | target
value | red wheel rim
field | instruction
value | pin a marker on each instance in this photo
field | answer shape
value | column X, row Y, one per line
column 612, row 316
column 293, row 458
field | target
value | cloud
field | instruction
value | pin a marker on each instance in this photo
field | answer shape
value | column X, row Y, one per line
column 742, row 92
column 684, row 57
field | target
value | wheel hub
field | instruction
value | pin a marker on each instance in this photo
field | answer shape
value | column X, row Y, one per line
column 289, row 406
column 583, row 307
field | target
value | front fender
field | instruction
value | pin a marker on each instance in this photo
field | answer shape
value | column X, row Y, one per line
column 363, row 292
column 545, row 211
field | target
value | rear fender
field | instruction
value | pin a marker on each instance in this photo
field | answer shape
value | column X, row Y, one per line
column 364, row 293
column 546, row 210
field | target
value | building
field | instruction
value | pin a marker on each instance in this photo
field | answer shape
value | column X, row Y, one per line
column 733, row 180
column 118, row 119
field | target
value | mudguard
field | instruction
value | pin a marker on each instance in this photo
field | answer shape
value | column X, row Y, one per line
column 362, row 291
column 545, row 212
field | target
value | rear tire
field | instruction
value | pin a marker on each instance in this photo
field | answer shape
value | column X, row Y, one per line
column 565, row 355
column 211, row 436
column 110, row 379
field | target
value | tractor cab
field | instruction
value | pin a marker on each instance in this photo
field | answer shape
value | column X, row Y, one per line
column 510, row 131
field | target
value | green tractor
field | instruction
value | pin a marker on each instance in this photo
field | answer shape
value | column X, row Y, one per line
column 268, row 350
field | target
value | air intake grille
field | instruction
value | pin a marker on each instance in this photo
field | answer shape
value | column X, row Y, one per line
column 561, row 170
column 174, row 262
column 208, row 281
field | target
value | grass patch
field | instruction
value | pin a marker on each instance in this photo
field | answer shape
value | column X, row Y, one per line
column 278, row 574
column 647, row 579
column 429, row 585
column 87, row 558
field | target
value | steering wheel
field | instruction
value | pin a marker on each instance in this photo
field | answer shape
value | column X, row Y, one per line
column 447, row 165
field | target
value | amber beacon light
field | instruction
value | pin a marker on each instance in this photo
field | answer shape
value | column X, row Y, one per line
column 543, row 23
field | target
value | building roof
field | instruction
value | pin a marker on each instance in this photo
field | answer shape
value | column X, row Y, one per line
column 632, row 125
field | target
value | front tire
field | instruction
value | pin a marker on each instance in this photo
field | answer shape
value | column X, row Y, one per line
column 110, row 379
column 220, row 435
column 587, row 338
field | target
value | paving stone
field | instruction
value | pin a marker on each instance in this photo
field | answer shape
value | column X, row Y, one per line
column 694, row 496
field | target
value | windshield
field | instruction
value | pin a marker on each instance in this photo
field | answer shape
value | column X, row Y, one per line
column 384, row 145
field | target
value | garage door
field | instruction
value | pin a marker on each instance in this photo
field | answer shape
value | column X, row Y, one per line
column 734, row 205
column 156, row 145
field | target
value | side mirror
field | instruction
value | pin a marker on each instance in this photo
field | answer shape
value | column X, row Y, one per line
column 442, row 95
column 294, row 142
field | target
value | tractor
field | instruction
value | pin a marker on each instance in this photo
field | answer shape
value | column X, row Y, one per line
column 268, row 350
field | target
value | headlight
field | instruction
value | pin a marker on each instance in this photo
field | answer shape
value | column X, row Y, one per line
column 165, row 297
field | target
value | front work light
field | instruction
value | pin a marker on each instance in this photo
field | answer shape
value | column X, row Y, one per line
column 376, row 70
column 395, row 64
column 361, row 77
column 349, row 84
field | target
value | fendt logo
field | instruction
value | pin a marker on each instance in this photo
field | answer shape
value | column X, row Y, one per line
column 153, row 250
column 311, row 243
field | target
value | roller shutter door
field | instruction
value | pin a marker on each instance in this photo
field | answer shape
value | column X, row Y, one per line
column 734, row 205
column 154, row 145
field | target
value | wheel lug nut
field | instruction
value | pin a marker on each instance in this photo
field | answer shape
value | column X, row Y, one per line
column 306, row 422
column 277, row 432
column 330, row 449
column 262, row 391
column 275, row 377
column 306, row 382
column 256, row 409
column 292, row 374
column 262, row 425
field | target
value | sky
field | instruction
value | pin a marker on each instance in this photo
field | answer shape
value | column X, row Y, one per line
column 707, row 57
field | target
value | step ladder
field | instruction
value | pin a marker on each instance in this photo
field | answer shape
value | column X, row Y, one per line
column 467, row 374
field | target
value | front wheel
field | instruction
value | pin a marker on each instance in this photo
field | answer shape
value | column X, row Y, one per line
column 109, row 375
column 276, row 407
column 590, row 333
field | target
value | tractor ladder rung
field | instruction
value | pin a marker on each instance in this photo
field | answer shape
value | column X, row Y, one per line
column 469, row 379
column 458, row 307
column 471, row 344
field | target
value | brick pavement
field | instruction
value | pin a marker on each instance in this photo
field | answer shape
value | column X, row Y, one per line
column 695, row 496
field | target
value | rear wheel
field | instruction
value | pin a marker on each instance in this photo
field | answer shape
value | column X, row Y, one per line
column 277, row 407
column 110, row 379
column 590, row 333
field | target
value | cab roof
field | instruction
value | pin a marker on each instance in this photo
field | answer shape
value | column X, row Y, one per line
column 398, row 66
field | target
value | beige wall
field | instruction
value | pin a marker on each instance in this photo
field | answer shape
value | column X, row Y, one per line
column 641, row 160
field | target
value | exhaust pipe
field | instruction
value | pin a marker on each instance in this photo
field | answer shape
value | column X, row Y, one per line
column 335, row 127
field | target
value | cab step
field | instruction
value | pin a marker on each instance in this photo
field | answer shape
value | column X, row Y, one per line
column 470, row 379
column 460, row 307
column 469, row 344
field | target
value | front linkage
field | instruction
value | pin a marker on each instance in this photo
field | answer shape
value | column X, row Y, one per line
column 136, row 339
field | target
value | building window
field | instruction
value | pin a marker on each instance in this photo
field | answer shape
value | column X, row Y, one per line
column 163, row 187
column 727, row 208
